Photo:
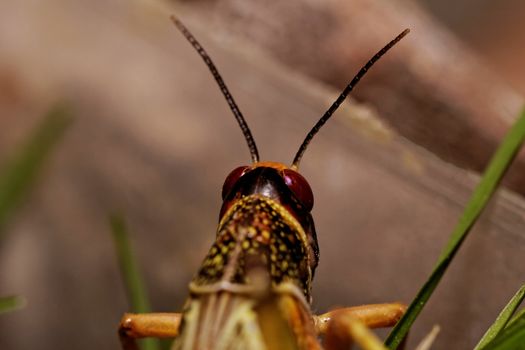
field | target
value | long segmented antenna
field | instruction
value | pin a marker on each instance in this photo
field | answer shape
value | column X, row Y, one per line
column 343, row 96
column 231, row 102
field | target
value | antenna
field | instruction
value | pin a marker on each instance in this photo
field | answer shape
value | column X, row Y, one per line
column 343, row 96
column 231, row 102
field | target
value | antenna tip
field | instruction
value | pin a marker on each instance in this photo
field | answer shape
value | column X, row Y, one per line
column 175, row 21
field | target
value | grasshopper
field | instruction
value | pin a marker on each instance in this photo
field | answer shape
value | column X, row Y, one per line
column 253, row 289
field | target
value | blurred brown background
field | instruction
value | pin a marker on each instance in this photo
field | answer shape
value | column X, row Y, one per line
column 154, row 139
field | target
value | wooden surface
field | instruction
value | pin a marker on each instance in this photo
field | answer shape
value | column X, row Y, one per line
column 154, row 139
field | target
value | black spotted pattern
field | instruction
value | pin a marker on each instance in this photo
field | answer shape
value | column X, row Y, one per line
column 257, row 229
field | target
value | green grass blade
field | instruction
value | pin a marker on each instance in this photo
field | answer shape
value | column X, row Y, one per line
column 17, row 176
column 11, row 303
column 483, row 192
column 132, row 279
column 516, row 317
column 502, row 319
column 512, row 337
column 134, row 285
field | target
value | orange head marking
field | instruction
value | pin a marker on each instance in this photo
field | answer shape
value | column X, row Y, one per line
column 269, row 164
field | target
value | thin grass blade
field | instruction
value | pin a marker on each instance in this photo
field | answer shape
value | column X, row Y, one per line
column 483, row 192
column 427, row 342
column 502, row 319
column 133, row 282
column 516, row 317
column 18, row 175
column 512, row 337
column 11, row 303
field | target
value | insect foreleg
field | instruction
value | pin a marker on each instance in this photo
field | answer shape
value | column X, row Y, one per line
column 136, row 326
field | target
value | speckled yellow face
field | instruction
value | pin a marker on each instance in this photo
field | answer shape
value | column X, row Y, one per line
column 258, row 232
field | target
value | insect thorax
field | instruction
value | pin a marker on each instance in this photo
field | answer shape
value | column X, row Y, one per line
column 257, row 236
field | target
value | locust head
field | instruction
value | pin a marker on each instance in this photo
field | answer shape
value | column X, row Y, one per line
column 279, row 189
column 266, row 205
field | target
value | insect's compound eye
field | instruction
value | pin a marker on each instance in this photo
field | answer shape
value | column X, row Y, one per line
column 232, row 179
column 300, row 188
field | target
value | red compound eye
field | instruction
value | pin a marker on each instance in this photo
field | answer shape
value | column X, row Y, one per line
column 232, row 179
column 300, row 188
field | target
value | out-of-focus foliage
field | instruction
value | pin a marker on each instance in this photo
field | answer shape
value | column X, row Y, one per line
column 11, row 303
column 19, row 173
column 133, row 282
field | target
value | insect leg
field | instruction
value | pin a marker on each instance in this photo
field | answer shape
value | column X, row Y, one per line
column 341, row 326
column 158, row 325
column 373, row 315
